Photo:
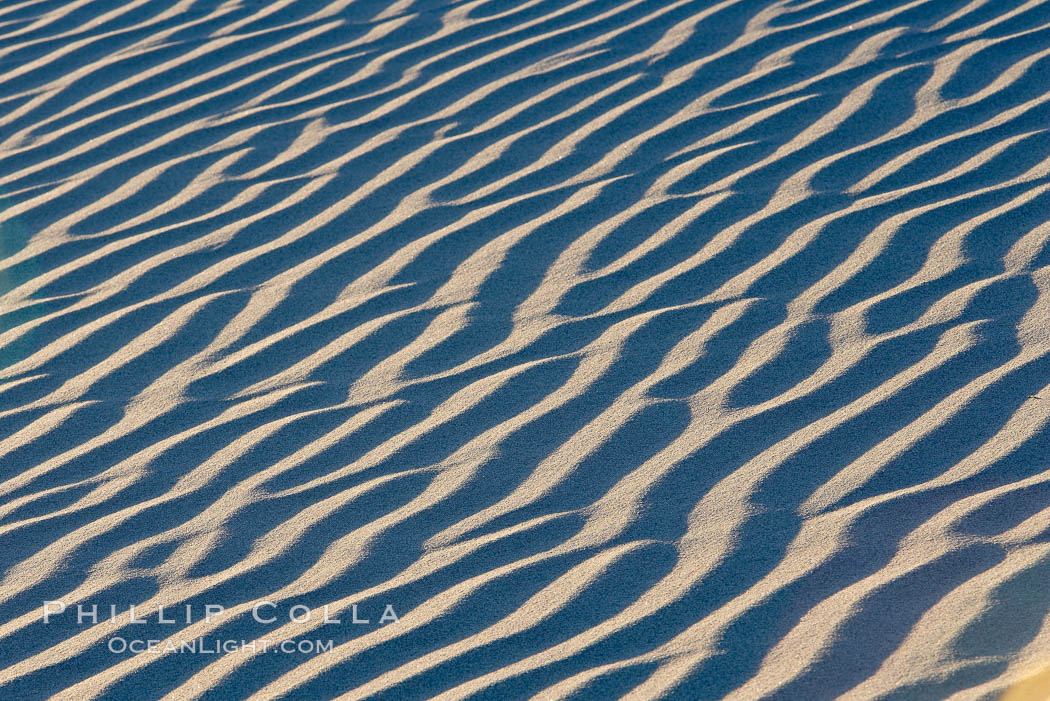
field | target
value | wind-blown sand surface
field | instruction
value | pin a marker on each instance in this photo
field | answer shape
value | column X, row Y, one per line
column 622, row 348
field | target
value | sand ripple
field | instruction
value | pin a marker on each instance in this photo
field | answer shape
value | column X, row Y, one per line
column 658, row 349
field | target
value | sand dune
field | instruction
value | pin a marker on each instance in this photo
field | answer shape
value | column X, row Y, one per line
column 586, row 349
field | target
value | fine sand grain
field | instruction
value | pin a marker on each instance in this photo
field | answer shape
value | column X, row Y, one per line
column 585, row 349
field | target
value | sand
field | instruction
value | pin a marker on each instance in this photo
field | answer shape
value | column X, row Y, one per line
column 532, row 349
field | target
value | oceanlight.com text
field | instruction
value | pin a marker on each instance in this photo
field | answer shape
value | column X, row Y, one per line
column 217, row 646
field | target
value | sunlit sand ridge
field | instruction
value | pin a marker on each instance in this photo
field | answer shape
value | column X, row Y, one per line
column 585, row 349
